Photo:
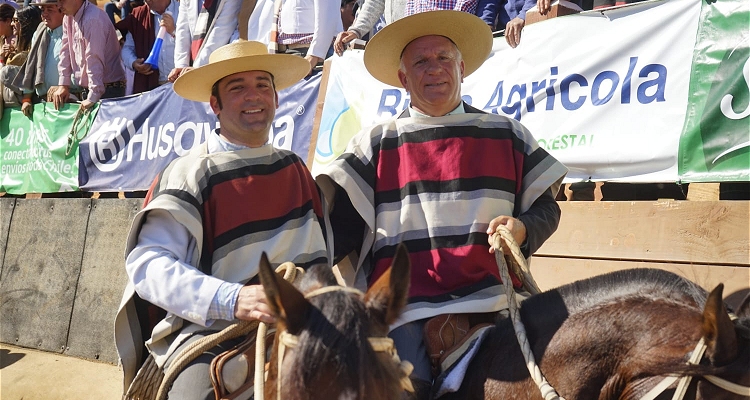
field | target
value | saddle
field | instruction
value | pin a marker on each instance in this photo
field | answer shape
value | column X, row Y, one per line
column 233, row 371
column 447, row 336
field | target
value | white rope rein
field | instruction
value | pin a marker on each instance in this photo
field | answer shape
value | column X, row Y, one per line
column 522, row 271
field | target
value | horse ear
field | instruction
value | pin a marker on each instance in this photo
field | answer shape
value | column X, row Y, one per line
column 743, row 311
column 289, row 305
column 387, row 297
column 718, row 330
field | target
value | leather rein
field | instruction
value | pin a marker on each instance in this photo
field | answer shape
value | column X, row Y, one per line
column 287, row 340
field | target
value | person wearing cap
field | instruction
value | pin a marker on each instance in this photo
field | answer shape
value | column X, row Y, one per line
column 89, row 67
column 142, row 27
column 194, row 249
column 39, row 72
column 440, row 178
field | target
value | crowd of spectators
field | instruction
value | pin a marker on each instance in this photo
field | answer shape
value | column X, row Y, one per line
column 42, row 57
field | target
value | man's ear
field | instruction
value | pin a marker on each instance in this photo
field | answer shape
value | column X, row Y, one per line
column 402, row 78
column 276, row 94
column 216, row 107
column 462, row 70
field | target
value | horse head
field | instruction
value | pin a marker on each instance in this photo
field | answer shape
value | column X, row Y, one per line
column 330, row 341
column 727, row 350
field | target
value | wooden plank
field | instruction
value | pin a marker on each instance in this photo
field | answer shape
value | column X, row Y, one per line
column 705, row 232
column 103, row 279
column 40, row 272
column 699, row 191
column 550, row 272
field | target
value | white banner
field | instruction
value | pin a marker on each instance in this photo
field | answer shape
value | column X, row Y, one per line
column 604, row 92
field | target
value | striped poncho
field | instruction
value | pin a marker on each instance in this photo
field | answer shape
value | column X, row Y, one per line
column 435, row 183
column 236, row 205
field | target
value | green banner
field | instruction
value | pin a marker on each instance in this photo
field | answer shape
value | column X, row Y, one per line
column 36, row 155
column 715, row 142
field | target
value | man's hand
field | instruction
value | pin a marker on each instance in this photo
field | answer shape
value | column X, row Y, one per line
column 167, row 21
column 60, row 96
column 86, row 104
column 339, row 45
column 513, row 31
column 252, row 305
column 141, row 68
column 516, row 227
column 313, row 60
column 27, row 109
column 175, row 73
column 544, row 6
column 6, row 50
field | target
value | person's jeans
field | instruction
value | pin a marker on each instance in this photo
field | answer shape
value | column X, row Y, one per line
column 110, row 8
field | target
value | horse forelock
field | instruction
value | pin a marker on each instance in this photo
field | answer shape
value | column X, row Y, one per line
column 334, row 350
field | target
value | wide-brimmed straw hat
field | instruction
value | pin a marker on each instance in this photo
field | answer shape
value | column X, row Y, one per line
column 240, row 56
column 472, row 36
column 43, row 3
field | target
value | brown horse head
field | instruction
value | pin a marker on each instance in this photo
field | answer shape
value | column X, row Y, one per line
column 331, row 356
column 727, row 348
column 617, row 337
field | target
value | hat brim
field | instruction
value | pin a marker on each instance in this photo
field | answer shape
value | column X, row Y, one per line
column 471, row 35
column 287, row 69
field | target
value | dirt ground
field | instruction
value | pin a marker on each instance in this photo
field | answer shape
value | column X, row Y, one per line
column 27, row 374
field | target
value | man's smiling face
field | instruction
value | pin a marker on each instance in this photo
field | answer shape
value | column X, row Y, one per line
column 432, row 71
column 246, row 104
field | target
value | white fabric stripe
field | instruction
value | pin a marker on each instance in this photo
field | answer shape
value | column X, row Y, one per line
column 286, row 245
column 302, row 223
column 446, row 197
column 430, row 214
column 486, row 300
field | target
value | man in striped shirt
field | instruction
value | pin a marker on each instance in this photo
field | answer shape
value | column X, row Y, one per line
column 441, row 177
column 193, row 251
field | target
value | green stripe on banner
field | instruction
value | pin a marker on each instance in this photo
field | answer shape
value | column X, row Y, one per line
column 715, row 141
column 35, row 156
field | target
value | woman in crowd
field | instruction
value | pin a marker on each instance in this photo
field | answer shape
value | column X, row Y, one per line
column 23, row 25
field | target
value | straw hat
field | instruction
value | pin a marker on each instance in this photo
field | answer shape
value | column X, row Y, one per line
column 43, row 3
column 236, row 57
column 472, row 36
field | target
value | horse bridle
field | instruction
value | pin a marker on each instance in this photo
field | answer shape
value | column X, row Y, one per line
column 695, row 357
column 379, row 344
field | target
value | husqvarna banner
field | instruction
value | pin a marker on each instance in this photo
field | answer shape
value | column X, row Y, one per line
column 134, row 138
column 612, row 94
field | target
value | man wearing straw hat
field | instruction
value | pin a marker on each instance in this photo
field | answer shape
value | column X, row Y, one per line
column 440, row 177
column 194, row 249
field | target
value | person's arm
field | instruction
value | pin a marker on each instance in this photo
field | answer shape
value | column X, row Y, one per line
column 161, row 275
column 128, row 52
column 528, row 4
column 532, row 228
column 487, row 10
column 182, row 36
column 327, row 25
column 225, row 26
column 367, row 17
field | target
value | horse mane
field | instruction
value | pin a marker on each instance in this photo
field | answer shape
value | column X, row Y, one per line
column 617, row 286
column 333, row 341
